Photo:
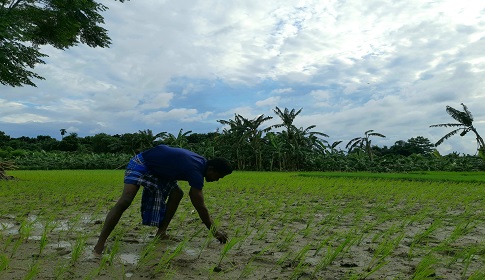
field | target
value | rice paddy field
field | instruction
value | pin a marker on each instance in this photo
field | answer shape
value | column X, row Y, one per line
column 281, row 226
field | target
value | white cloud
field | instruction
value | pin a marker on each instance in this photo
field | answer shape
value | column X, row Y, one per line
column 7, row 107
column 24, row 118
column 181, row 114
column 282, row 91
column 352, row 66
column 271, row 101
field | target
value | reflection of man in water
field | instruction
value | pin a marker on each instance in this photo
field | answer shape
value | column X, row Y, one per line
column 158, row 170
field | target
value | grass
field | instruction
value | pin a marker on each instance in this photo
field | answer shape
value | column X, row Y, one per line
column 284, row 225
column 412, row 176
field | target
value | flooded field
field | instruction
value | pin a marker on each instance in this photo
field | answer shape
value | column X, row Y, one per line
column 281, row 226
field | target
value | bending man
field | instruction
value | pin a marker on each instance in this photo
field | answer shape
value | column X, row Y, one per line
column 158, row 170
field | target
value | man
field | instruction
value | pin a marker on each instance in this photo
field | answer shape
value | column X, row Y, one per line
column 158, row 170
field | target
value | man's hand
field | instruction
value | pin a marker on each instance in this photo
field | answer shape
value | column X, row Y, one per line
column 221, row 236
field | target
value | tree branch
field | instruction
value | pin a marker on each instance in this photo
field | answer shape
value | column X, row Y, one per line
column 14, row 4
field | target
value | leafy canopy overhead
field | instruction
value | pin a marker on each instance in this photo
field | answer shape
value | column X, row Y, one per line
column 27, row 24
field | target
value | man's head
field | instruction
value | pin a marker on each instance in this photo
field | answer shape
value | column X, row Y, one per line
column 217, row 168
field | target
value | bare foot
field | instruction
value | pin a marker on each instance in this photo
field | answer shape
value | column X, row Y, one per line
column 98, row 251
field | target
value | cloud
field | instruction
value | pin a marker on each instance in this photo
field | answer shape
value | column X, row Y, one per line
column 351, row 66
column 271, row 101
column 282, row 91
column 181, row 114
column 7, row 107
column 24, row 118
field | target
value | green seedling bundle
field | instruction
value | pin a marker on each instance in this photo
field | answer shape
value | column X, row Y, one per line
column 280, row 225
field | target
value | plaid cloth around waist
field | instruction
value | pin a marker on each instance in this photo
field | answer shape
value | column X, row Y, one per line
column 155, row 190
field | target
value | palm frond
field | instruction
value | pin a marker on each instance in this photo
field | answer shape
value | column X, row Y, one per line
column 448, row 135
column 376, row 134
column 446, row 125
column 465, row 108
column 460, row 116
column 320, row 133
column 353, row 141
column 335, row 144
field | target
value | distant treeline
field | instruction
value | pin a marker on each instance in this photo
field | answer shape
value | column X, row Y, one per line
column 275, row 151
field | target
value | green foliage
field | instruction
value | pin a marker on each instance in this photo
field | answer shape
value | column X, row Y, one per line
column 66, row 160
column 248, row 144
column 464, row 125
column 360, row 227
column 27, row 24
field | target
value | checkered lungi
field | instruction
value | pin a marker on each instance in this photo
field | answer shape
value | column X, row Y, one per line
column 155, row 191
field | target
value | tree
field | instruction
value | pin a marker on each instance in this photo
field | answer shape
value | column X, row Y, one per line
column 234, row 137
column 246, row 138
column 364, row 143
column 180, row 140
column 69, row 143
column 414, row 145
column 464, row 125
column 63, row 132
column 420, row 145
column 332, row 148
column 27, row 24
column 254, row 136
column 298, row 140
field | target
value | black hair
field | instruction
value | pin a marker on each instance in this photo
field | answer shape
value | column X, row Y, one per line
column 220, row 165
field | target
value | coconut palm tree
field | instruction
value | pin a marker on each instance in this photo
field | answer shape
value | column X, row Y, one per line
column 364, row 143
column 464, row 125
column 63, row 132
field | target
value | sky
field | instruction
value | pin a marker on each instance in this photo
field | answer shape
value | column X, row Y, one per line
column 351, row 66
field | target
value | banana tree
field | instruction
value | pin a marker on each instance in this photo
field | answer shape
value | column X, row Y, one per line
column 180, row 140
column 464, row 125
column 364, row 143
column 249, row 138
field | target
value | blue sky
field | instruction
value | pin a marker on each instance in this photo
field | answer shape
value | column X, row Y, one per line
column 390, row 66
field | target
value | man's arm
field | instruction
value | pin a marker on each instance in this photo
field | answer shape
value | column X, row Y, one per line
column 197, row 199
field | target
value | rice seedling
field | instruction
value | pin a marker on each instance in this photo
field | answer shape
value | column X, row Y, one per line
column 346, row 228
column 26, row 226
column 425, row 268
column 15, row 247
column 285, row 243
column 43, row 238
column 227, row 247
column 4, row 262
column 32, row 271
column 115, row 248
column 207, row 240
column 168, row 256
column 382, row 252
column 8, row 241
column 61, row 269
column 148, row 253
column 300, row 262
column 422, row 236
column 332, row 254
column 248, row 268
column 78, row 249
column 467, row 257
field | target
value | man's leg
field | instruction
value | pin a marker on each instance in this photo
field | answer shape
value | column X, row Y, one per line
column 114, row 215
column 172, row 204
